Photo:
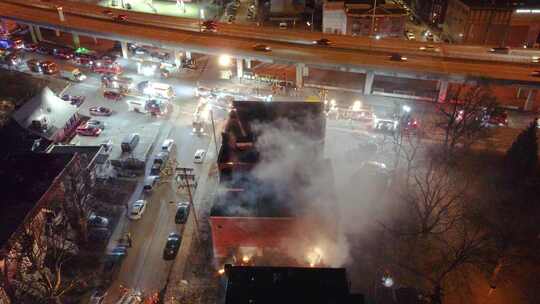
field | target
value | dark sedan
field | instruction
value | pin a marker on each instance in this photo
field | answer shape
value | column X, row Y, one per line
column 171, row 246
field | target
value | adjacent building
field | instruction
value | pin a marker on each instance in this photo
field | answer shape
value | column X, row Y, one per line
column 491, row 22
column 431, row 11
column 354, row 18
column 288, row 285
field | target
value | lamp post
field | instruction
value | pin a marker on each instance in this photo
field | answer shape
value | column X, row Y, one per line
column 373, row 17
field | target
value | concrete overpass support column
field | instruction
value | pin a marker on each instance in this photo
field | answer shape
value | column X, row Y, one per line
column 239, row 68
column 188, row 55
column 38, row 33
column 76, row 40
column 248, row 63
column 305, row 72
column 57, row 33
column 177, row 58
column 95, row 40
column 443, row 90
column 531, row 97
column 123, row 46
column 33, row 34
column 368, row 83
column 300, row 75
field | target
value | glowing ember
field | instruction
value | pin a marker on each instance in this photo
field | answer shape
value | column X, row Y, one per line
column 314, row 257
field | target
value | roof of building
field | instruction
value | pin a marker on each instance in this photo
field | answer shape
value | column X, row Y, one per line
column 383, row 9
column 16, row 140
column 497, row 3
column 25, row 178
column 284, row 285
column 90, row 151
column 45, row 107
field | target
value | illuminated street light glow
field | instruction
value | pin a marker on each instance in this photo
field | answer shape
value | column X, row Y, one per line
column 387, row 281
column 406, row 108
column 357, row 105
column 224, row 60
column 221, row 271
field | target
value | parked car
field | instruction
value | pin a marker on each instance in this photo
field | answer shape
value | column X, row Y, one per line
column 171, row 246
column 96, row 123
column 167, row 145
column 500, row 50
column 198, row 158
column 97, row 221
column 112, row 95
column 497, row 117
column 34, row 65
column 385, row 124
column 150, row 183
column 75, row 100
column 88, row 130
column 98, row 296
column 100, row 111
column 137, row 209
column 121, row 18
column 182, row 213
column 119, row 250
column 429, row 48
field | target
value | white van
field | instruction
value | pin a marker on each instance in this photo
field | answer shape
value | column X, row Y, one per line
column 156, row 89
column 138, row 106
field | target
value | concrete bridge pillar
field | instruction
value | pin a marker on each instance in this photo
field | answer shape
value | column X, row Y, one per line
column 177, row 61
column 300, row 75
column 33, row 34
column 368, row 83
column 443, row 90
column 248, row 63
column 531, row 97
column 123, row 46
column 38, row 33
column 76, row 40
column 57, row 33
column 239, row 68
column 188, row 55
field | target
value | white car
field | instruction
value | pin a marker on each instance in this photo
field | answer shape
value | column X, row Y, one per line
column 199, row 156
column 137, row 209
column 167, row 145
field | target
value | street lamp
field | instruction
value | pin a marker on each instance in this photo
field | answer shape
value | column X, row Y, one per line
column 224, row 60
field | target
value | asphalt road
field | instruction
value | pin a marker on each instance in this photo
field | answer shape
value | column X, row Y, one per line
column 239, row 40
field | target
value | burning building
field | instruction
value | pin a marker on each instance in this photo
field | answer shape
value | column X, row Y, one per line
column 276, row 205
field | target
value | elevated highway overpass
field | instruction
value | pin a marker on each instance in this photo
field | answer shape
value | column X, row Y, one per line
column 353, row 54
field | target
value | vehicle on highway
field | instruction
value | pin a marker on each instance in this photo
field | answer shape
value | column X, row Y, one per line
column 100, row 111
column 156, row 89
column 72, row 73
column 167, row 145
column 30, row 47
column 65, row 54
column 171, row 246
column 535, row 73
column 398, row 57
column 130, row 142
column 500, row 50
column 159, row 163
column 410, row 36
column 138, row 106
column 9, row 58
column 75, row 100
column 107, row 12
column 84, row 61
column 121, row 18
column 97, row 221
column 262, row 48
column 323, row 42
column 119, row 250
column 209, row 26
column 429, row 48
column 137, row 209
column 96, row 123
column 49, row 67
column 150, row 183
column 182, row 213
column 198, row 158
column 112, row 95
column 87, row 130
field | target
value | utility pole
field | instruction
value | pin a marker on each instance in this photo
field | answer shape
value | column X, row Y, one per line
column 373, row 17
column 195, row 216
column 214, row 131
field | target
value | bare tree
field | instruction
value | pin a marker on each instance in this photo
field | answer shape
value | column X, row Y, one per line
column 462, row 118
column 431, row 242
column 78, row 186
column 37, row 257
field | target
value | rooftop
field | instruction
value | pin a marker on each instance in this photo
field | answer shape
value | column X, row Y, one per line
column 498, row 3
column 24, row 179
column 284, row 285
